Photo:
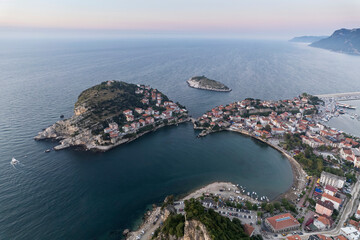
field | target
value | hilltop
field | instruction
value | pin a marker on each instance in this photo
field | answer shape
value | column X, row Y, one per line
column 307, row 39
column 112, row 113
column 342, row 40
column 202, row 82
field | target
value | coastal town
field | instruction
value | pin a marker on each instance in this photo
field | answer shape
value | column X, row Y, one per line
column 322, row 203
column 113, row 113
column 156, row 112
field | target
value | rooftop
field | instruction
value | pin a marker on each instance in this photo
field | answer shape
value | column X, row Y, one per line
column 283, row 221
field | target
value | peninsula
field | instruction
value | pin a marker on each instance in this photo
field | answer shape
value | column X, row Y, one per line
column 202, row 82
column 323, row 199
column 342, row 40
column 113, row 113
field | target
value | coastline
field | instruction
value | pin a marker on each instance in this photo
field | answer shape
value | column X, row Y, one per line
column 206, row 88
column 299, row 174
column 100, row 148
column 147, row 226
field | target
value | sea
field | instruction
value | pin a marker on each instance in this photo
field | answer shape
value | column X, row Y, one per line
column 71, row 194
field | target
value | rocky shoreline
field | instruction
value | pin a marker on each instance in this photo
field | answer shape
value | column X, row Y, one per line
column 196, row 84
column 63, row 131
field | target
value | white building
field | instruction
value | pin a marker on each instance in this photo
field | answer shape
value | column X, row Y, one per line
column 322, row 223
column 332, row 180
column 350, row 233
column 357, row 214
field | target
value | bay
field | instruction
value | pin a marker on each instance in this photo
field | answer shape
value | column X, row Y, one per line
column 82, row 195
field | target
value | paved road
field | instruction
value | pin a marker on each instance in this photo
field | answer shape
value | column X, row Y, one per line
column 345, row 215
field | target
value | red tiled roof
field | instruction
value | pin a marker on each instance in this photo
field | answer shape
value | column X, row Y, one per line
column 324, row 220
column 354, row 223
column 331, row 188
column 341, row 237
column 294, row 237
column 283, row 221
column 322, row 237
column 327, row 204
column 332, row 198
column 249, row 229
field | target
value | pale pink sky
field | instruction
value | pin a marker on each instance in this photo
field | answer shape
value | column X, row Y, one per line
column 248, row 17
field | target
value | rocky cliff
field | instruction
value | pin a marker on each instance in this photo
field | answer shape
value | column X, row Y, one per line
column 342, row 40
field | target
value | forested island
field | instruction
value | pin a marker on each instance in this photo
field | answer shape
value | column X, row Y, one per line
column 113, row 113
column 202, row 82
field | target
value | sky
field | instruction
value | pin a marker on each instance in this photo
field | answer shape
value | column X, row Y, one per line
column 248, row 18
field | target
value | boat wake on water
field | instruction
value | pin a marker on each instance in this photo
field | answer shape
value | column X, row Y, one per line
column 14, row 162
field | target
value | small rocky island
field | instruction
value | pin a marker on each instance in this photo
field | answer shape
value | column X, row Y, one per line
column 202, row 82
column 113, row 113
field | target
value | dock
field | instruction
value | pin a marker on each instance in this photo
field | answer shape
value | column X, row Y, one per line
column 341, row 96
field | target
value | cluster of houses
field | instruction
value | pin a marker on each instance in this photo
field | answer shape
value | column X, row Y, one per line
column 140, row 117
column 285, row 116
column 329, row 198
column 255, row 115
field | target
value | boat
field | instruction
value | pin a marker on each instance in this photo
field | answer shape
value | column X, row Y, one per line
column 47, row 150
column 61, row 116
column 14, row 161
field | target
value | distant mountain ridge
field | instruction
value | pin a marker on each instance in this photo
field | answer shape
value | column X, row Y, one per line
column 307, row 39
column 342, row 40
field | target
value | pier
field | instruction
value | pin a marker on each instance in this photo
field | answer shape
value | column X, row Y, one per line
column 341, row 96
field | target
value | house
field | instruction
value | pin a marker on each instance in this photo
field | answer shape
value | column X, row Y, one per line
column 126, row 128
column 293, row 237
column 345, row 153
column 322, row 223
column 340, row 237
column 145, row 101
column 277, row 131
column 149, row 120
column 129, row 118
column 135, row 125
column 113, row 126
column 139, row 110
column 142, row 122
column 332, row 180
column 282, row 223
column 127, row 112
column 330, row 190
column 357, row 214
column 354, row 223
column 149, row 111
column 350, row 233
column 319, row 237
column 324, row 208
column 336, row 201
column 312, row 142
column 107, row 130
column 249, row 230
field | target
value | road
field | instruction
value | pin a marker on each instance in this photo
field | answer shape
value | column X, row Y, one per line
column 344, row 216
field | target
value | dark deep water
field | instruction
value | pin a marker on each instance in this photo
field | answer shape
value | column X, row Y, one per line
column 81, row 195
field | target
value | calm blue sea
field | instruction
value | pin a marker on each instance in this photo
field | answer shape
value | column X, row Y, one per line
column 83, row 195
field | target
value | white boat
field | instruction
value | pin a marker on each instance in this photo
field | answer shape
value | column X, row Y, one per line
column 14, row 161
